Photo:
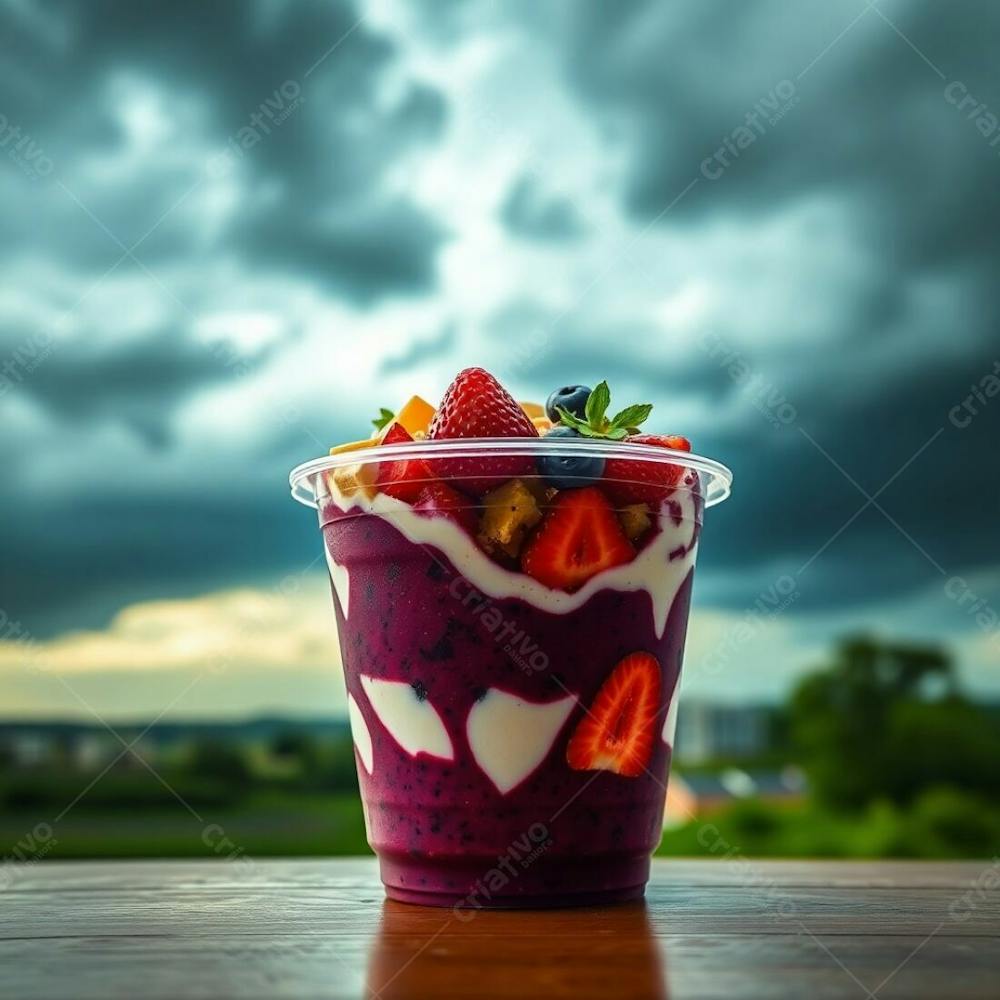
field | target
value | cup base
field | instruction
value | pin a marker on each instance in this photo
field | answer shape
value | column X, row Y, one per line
column 550, row 902
column 471, row 884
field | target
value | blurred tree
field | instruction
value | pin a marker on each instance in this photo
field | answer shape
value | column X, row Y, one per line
column 887, row 720
column 220, row 760
column 297, row 746
column 340, row 771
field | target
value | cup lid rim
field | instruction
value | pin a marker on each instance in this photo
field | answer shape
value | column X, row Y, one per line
column 718, row 477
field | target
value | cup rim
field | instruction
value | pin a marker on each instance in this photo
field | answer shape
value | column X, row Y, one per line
column 718, row 478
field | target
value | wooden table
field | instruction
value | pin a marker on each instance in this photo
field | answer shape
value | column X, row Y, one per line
column 735, row 928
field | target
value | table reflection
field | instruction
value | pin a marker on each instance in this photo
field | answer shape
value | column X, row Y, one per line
column 594, row 952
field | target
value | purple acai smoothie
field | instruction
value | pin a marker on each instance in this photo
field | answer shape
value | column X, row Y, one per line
column 511, row 584
column 445, row 834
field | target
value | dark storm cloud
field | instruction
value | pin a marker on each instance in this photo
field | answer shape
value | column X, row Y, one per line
column 358, row 256
column 528, row 211
column 137, row 383
column 868, row 128
column 869, row 132
column 81, row 548
column 94, row 554
column 314, row 205
column 286, row 98
column 867, row 120
column 781, row 407
column 421, row 351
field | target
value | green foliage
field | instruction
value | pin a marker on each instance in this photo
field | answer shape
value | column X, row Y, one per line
column 886, row 721
column 941, row 823
column 270, row 824
column 221, row 760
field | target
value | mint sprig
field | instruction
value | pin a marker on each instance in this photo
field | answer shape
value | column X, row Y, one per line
column 384, row 418
column 597, row 425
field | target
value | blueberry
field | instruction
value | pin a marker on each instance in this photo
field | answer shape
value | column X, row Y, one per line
column 569, row 397
column 567, row 471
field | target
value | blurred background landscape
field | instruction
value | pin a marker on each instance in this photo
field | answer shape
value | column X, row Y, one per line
column 233, row 231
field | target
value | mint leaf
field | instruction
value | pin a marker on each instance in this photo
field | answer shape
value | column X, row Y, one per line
column 384, row 418
column 597, row 425
column 632, row 416
column 571, row 420
column 597, row 405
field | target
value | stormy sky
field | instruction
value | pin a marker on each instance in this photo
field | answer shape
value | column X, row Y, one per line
column 232, row 231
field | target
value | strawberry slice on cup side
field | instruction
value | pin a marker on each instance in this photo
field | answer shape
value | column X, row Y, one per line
column 438, row 499
column 618, row 732
column 402, row 478
column 629, row 482
column 578, row 538
column 476, row 405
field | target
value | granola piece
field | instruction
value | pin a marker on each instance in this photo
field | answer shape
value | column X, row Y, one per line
column 635, row 520
column 509, row 512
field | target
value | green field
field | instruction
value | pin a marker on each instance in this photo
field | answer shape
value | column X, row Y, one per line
column 266, row 824
column 941, row 824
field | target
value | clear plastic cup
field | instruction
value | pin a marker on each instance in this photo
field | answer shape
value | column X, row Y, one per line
column 500, row 759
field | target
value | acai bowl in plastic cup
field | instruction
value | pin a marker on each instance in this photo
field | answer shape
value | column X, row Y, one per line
column 513, row 723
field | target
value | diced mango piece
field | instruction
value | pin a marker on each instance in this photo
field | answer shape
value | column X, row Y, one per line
column 540, row 490
column 542, row 424
column 635, row 520
column 416, row 416
column 510, row 511
column 351, row 479
column 532, row 409
column 353, row 446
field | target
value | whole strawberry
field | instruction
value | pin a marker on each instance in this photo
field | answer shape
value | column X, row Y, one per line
column 628, row 482
column 476, row 405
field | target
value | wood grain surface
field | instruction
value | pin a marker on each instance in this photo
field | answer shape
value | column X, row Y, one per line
column 736, row 928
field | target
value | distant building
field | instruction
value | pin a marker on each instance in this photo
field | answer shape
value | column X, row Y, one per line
column 90, row 751
column 705, row 731
column 29, row 749
column 694, row 796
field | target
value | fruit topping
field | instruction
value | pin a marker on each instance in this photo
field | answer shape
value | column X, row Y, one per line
column 566, row 471
column 438, row 499
column 570, row 397
column 509, row 512
column 542, row 424
column 355, row 478
column 630, row 482
column 618, row 732
column 402, row 478
column 577, row 539
column 594, row 421
column 532, row 410
column 635, row 520
column 416, row 416
column 353, row 446
column 475, row 405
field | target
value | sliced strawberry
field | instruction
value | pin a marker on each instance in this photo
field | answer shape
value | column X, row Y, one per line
column 619, row 730
column 578, row 537
column 476, row 405
column 438, row 499
column 628, row 482
column 402, row 478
